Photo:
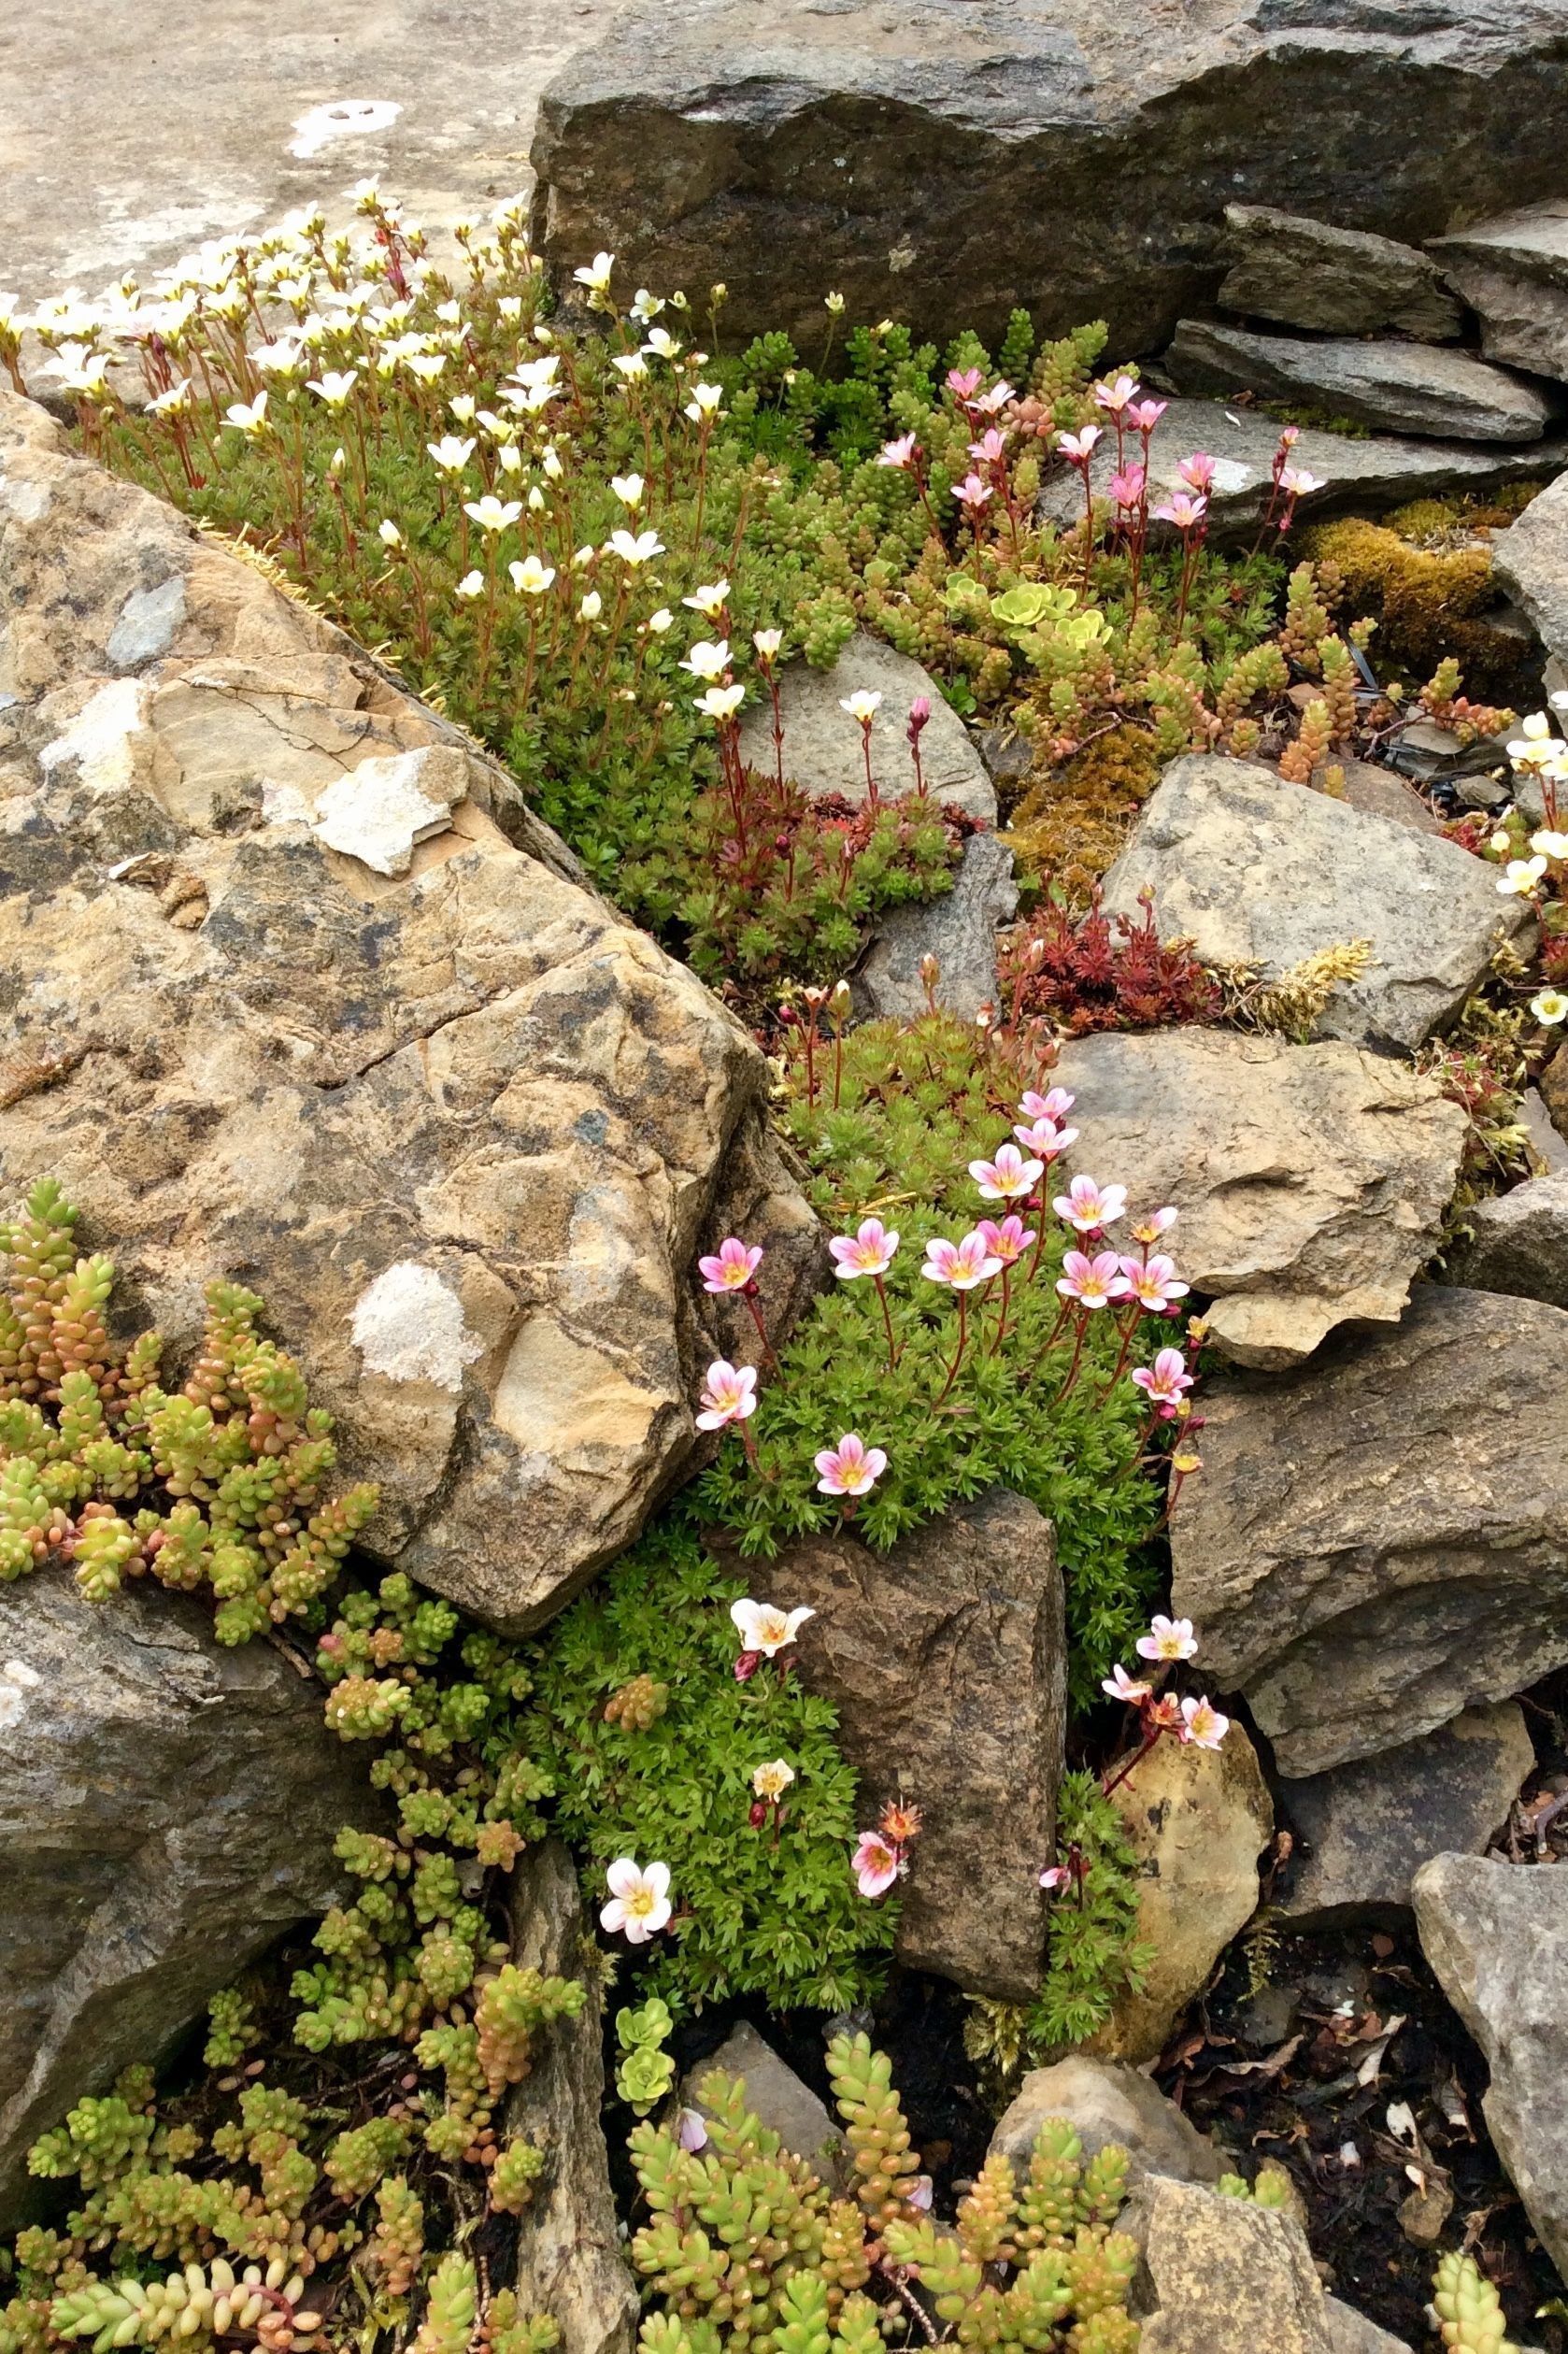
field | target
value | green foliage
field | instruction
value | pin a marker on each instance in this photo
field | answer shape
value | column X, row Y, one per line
column 232, row 2028
column 746, row 2248
column 1468, row 2312
column 645, row 2069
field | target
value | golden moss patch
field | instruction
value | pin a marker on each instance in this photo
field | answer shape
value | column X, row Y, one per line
column 1069, row 826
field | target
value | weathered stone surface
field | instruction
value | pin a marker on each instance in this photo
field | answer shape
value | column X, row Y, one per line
column 946, row 1660
column 465, row 1128
column 1512, row 272
column 951, row 161
column 1336, row 282
column 569, row 2263
column 1378, row 793
column 1519, row 1243
column 1530, row 560
column 1397, row 388
column 1382, row 1540
column 1351, row 2333
column 1256, row 871
column 776, row 2095
column 1311, row 1182
column 1107, row 2100
column 1362, row 472
column 1369, row 1827
column 1197, row 1820
column 959, row 930
column 1554, row 1089
column 167, row 1809
column 1547, row 1145
column 823, row 744
column 1223, row 2275
column 1497, row 1936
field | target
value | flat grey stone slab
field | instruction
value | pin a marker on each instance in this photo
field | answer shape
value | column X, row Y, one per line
column 1400, row 388
column 774, row 2095
column 1106, row 2101
column 822, row 741
column 1370, row 1826
column 959, row 930
column 1256, row 871
column 1512, row 272
column 1336, row 282
column 1531, row 562
column 1518, row 1242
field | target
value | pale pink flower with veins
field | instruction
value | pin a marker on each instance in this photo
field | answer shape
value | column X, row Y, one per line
column 1089, row 1207
column 972, row 491
column 1197, row 471
column 1289, row 436
column 1142, row 416
column 729, row 1395
column 851, row 1469
column 692, row 2129
column 1045, row 1139
column 1150, row 1224
column 869, row 1252
column 1164, row 1384
column 1202, row 1724
column 989, row 403
column 1007, row 1241
column 1055, row 1876
column 1126, row 488
column 763, row 1627
column 1079, row 448
column 732, row 1268
column 963, row 383
column 1095, row 1283
column 1114, row 397
column 899, row 453
column 875, row 1865
column 1182, row 509
column 1154, row 1283
column 1167, row 1639
column 1296, row 482
column 1007, row 1176
column 991, row 449
column 1056, row 1106
column 961, row 1265
column 1118, row 1685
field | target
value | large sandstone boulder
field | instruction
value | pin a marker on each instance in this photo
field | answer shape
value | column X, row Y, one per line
column 1382, row 1540
column 299, row 1011
column 945, row 1660
column 946, row 163
column 1496, row 1934
column 1395, row 387
column 1260, row 872
column 167, row 1809
column 1311, row 1182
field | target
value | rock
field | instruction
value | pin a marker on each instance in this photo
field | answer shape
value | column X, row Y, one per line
column 1548, row 1145
column 1336, row 282
column 1378, row 793
column 823, row 744
column 569, row 2260
column 948, row 165
column 1106, row 2101
column 1351, row 2333
column 959, row 930
column 1519, row 1243
column 1397, row 388
column 1554, row 1089
column 1382, row 1540
column 1496, row 1934
column 1197, row 1820
column 1222, row 2275
column 463, row 1127
column 167, row 1809
column 1363, row 474
column 1530, row 560
column 1512, row 272
column 945, row 1660
column 1369, row 1826
column 776, row 2095
column 1311, row 1180
column 1259, row 871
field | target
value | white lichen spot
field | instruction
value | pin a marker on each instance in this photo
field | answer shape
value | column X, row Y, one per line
column 17, row 1679
column 382, row 808
column 102, row 738
column 1230, row 473
column 283, row 804
column 341, row 118
column 410, row 1325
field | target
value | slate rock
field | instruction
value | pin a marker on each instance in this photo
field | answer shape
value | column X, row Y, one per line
column 1547, row 1143
column 1256, row 871
column 1530, row 560
column 1554, row 1091
column 1397, row 388
column 945, row 1660
column 1197, row 1820
column 1363, row 474
column 822, row 743
column 776, row 2097
column 959, row 929
column 1380, row 1541
column 1378, row 793
column 1336, row 281
column 463, row 1127
column 1496, row 1935
column 1106, row 2101
column 569, row 2262
column 167, row 1809
column 967, row 155
column 1311, row 1182
column 1222, row 2275
column 1368, row 1827
column 1512, row 272
column 1519, row 1243
column 1351, row 2333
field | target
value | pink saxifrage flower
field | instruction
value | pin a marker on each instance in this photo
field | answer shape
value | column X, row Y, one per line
column 963, row 383
column 1114, row 397
column 1182, row 509
column 1055, row 1876
column 1167, row 1639
column 1094, row 1283
column 1164, row 1384
column 1149, row 1225
column 639, row 1899
column 1043, row 1139
column 868, row 1252
column 1296, row 482
column 899, row 453
column 972, row 491
column 732, row 1266
column 1118, row 1685
column 1007, row 1241
column 1154, row 1283
column 1077, row 449
column 729, row 1395
column 1203, row 1725
column 1142, row 416
column 991, row 449
column 764, row 1628
column 1127, row 488
column 997, row 398
column 961, row 1265
column 1197, row 471
column 1089, row 1207
column 1054, row 1107
column 874, row 1864
column 851, row 1469
column 1006, row 1177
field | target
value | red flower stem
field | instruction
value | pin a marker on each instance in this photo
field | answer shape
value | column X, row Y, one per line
column 958, row 1353
column 1115, row 1781
column 1077, row 1352
column 749, row 1297
column 887, row 1321
column 1000, row 1331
